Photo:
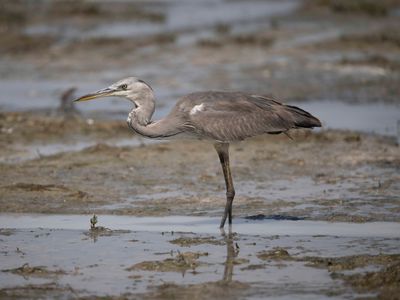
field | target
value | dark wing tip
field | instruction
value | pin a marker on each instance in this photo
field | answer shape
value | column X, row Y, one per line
column 303, row 118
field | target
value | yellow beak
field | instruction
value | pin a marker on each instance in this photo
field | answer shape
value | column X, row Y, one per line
column 102, row 93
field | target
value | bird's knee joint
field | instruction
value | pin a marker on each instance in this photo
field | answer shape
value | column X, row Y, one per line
column 230, row 194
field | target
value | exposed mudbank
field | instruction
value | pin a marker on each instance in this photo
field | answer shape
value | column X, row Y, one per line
column 314, row 218
column 330, row 175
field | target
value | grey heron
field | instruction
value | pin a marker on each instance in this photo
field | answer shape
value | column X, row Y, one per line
column 220, row 117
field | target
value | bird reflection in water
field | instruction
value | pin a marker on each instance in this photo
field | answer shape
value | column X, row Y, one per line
column 232, row 251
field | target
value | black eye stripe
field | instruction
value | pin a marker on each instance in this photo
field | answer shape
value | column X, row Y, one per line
column 125, row 86
column 139, row 80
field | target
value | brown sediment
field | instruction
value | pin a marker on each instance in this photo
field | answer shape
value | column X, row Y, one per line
column 274, row 254
column 129, row 178
column 38, row 291
column 6, row 231
column 329, row 175
column 26, row 127
column 17, row 13
column 208, row 290
column 17, row 44
column 122, row 46
column 182, row 262
column 373, row 60
column 101, row 231
column 335, row 264
column 243, row 40
column 38, row 271
column 192, row 241
column 384, row 282
column 370, row 8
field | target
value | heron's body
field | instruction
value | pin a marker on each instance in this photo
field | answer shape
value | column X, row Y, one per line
column 226, row 117
column 219, row 117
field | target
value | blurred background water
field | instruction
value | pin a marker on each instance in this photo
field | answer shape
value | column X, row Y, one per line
column 264, row 47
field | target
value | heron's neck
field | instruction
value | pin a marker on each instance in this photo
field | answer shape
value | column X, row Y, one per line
column 140, row 116
column 139, row 120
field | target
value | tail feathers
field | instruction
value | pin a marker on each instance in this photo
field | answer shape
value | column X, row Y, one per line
column 302, row 118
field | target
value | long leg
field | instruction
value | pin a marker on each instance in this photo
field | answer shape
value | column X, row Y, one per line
column 223, row 153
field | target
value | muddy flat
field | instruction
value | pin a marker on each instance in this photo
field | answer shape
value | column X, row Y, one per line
column 191, row 259
column 90, row 210
column 314, row 218
column 330, row 175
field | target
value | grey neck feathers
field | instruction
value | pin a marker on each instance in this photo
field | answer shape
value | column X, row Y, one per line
column 143, row 114
column 139, row 119
column 140, row 116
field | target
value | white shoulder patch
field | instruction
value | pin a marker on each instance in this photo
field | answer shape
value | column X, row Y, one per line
column 197, row 108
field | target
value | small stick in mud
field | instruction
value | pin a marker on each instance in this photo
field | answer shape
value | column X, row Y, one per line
column 93, row 222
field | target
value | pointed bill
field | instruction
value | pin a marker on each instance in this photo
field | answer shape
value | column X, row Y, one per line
column 101, row 93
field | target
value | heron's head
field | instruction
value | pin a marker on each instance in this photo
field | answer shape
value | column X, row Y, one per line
column 131, row 88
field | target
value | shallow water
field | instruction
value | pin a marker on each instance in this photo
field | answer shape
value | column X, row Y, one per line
column 202, row 225
column 180, row 17
column 380, row 118
column 35, row 151
column 98, row 264
column 78, row 262
column 377, row 118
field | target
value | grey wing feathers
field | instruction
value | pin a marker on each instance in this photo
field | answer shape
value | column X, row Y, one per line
column 303, row 119
column 229, row 116
column 293, row 116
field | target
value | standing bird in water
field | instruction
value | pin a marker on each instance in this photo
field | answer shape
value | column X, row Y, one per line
column 219, row 117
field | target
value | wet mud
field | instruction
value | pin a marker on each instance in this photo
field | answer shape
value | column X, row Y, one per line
column 181, row 263
column 139, row 264
column 329, row 175
column 38, row 271
column 58, row 162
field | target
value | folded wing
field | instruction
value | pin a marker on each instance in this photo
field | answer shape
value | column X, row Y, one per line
column 230, row 116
